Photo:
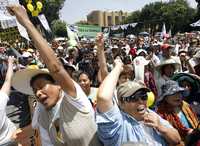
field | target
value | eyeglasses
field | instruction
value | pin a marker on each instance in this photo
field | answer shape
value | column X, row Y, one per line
column 135, row 98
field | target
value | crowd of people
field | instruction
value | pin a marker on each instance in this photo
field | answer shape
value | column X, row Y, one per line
column 137, row 90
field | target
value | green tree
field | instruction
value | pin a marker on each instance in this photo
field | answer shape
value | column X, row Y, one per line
column 59, row 28
column 176, row 14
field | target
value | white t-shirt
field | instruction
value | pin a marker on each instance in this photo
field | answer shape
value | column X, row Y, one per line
column 81, row 102
column 6, row 126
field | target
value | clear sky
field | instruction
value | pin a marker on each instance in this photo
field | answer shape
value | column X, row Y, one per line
column 76, row 10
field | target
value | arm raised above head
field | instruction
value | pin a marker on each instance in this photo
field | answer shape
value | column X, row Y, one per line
column 7, row 83
column 107, row 87
column 47, row 54
column 101, row 56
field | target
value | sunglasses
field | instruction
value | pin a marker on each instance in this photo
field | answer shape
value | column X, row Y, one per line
column 135, row 98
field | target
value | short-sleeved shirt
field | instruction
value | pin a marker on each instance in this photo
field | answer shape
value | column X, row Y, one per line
column 6, row 126
column 116, row 127
column 81, row 102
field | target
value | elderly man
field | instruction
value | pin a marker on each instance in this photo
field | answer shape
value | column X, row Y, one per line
column 132, row 120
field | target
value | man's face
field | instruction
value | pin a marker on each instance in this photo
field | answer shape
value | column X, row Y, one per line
column 46, row 92
column 137, row 108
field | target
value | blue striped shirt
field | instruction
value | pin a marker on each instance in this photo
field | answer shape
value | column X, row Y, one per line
column 116, row 127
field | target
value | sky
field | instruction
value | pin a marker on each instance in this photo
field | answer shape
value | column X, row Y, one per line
column 76, row 10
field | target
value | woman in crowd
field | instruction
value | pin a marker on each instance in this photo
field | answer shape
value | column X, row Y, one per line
column 178, row 112
column 165, row 71
column 191, row 83
column 85, row 82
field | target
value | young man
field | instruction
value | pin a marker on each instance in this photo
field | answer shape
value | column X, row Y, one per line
column 132, row 120
column 64, row 114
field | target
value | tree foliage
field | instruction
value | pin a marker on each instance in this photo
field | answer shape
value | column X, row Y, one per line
column 59, row 28
column 176, row 14
column 50, row 9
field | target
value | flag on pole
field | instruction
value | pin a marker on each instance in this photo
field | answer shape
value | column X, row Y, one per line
column 170, row 32
column 163, row 33
column 44, row 22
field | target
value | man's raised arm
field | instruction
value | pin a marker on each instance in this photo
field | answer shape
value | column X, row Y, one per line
column 47, row 54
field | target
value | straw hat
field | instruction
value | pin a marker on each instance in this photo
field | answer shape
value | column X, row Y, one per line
column 167, row 62
column 21, row 79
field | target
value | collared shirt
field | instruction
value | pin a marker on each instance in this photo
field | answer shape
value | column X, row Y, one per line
column 116, row 127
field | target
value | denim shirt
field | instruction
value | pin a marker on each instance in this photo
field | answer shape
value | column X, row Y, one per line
column 116, row 127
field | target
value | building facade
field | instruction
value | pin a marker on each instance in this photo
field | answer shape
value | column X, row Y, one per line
column 104, row 18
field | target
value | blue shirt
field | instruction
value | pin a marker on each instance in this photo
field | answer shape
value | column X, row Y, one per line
column 116, row 127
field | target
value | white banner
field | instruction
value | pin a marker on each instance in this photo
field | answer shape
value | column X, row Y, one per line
column 44, row 22
column 123, row 27
column 7, row 21
column 195, row 24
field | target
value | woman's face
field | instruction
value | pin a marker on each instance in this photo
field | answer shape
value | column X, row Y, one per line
column 186, row 85
column 84, row 82
column 174, row 100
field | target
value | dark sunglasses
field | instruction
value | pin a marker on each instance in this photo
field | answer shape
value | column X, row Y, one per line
column 135, row 98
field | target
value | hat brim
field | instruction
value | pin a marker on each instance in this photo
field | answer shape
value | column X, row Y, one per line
column 176, row 65
column 178, row 90
column 193, row 77
column 21, row 79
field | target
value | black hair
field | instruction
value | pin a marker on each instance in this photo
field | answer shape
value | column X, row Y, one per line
column 41, row 76
column 86, row 73
column 163, row 68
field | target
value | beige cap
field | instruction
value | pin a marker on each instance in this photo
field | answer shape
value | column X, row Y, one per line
column 129, row 88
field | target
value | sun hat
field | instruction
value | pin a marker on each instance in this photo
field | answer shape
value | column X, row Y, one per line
column 167, row 62
column 21, row 79
column 193, row 79
column 169, row 88
column 129, row 88
column 26, row 54
column 140, row 51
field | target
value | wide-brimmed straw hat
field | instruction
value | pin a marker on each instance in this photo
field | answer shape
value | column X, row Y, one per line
column 167, row 62
column 21, row 79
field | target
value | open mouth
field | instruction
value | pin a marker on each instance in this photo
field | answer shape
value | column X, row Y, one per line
column 44, row 100
column 141, row 110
